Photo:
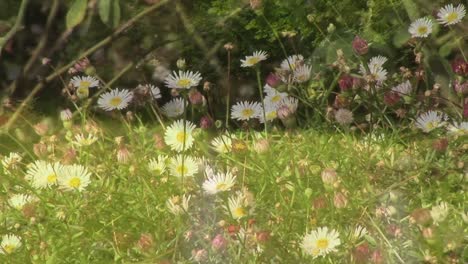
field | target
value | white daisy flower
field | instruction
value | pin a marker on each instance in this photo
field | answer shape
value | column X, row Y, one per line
column 10, row 243
column 458, row 128
column 377, row 61
column 185, row 166
column 359, row 232
column 320, row 242
column 421, row 28
column 246, row 110
column 257, row 57
column 155, row 91
column 222, row 144
column 18, row 201
column 403, row 88
column 11, row 161
column 183, row 80
column 302, row 73
column 115, row 99
column 82, row 141
column 158, row 166
column 430, row 120
column 237, row 206
column 42, row 174
column 176, row 137
column 83, row 83
column 292, row 62
column 74, row 177
column 439, row 212
column 174, row 108
column 177, row 205
column 450, row 15
column 376, row 70
column 291, row 102
column 219, row 182
column 271, row 113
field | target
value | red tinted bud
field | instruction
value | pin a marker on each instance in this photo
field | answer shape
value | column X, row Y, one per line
column 219, row 242
column 273, row 80
column 391, row 98
column 440, row 145
column 345, row 82
column 360, row 46
column 460, row 67
column 206, row 122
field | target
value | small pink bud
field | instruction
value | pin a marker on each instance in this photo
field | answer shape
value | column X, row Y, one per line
column 206, row 122
column 345, row 82
column 273, row 80
column 219, row 242
column 360, row 46
column 195, row 97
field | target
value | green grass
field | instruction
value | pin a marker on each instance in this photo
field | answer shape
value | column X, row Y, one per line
column 104, row 223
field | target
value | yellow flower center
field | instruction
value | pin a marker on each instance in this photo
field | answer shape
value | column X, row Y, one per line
column 9, row 248
column 184, row 83
column 116, row 101
column 275, row 98
column 253, row 60
column 322, row 243
column 431, row 125
column 271, row 115
column 84, row 84
column 247, row 112
column 75, row 182
column 221, row 186
column 82, row 91
column 52, row 178
column 181, row 137
column 239, row 212
column 182, row 170
column 422, row 30
column 452, row 17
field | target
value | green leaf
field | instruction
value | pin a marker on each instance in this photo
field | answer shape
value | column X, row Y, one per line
column 76, row 13
column 109, row 12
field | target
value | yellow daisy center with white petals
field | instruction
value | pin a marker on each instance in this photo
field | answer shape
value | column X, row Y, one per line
column 422, row 30
column 275, row 99
column 84, row 84
column 9, row 248
column 239, row 212
column 247, row 112
column 322, row 243
column 451, row 17
column 221, row 186
column 431, row 125
column 181, row 137
column 75, row 182
column 116, row 101
column 253, row 60
column 184, row 82
column 52, row 178
column 182, row 170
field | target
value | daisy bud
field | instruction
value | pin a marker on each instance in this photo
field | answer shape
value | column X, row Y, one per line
column 221, row 223
column 174, row 92
column 273, row 80
column 320, row 202
column 188, row 235
column 361, row 253
column 329, row 176
column 345, row 82
column 40, row 150
column 440, row 145
column 394, row 230
column 159, row 141
column 66, row 115
column 145, row 242
column 377, row 257
column 427, row 93
column 460, row 67
column 45, row 61
column 233, row 229
column 465, row 109
column 284, row 112
column 228, row 46
column 41, row 128
column 308, row 192
column 428, row 233
column 331, row 28
column 129, row 116
column 219, row 242
column 69, row 156
column 340, row 200
column 206, row 86
column 461, row 88
column 391, row 98
column 263, row 236
column 181, row 64
column 360, row 46
column 123, row 155
column 206, row 122
column 195, row 97
column 262, row 146
column 421, row 216
column 29, row 211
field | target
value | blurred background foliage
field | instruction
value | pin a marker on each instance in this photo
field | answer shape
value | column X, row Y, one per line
column 197, row 31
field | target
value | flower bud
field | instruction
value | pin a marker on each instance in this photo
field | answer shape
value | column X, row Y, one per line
column 329, row 176
column 345, row 82
column 145, row 242
column 360, row 46
column 261, row 146
column 181, row 64
column 273, row 80
column 421, row 216
column 340, row 200
column 440, row 144
column 195, row 97
column 219, row 242
column 206, row 122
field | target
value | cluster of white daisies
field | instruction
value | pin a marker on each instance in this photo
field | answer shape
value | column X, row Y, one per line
column 431, row 120
column 447, row 16
column 276, row 104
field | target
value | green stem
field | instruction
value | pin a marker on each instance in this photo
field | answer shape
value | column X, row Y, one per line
column 261, row 98
column 17, row 26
